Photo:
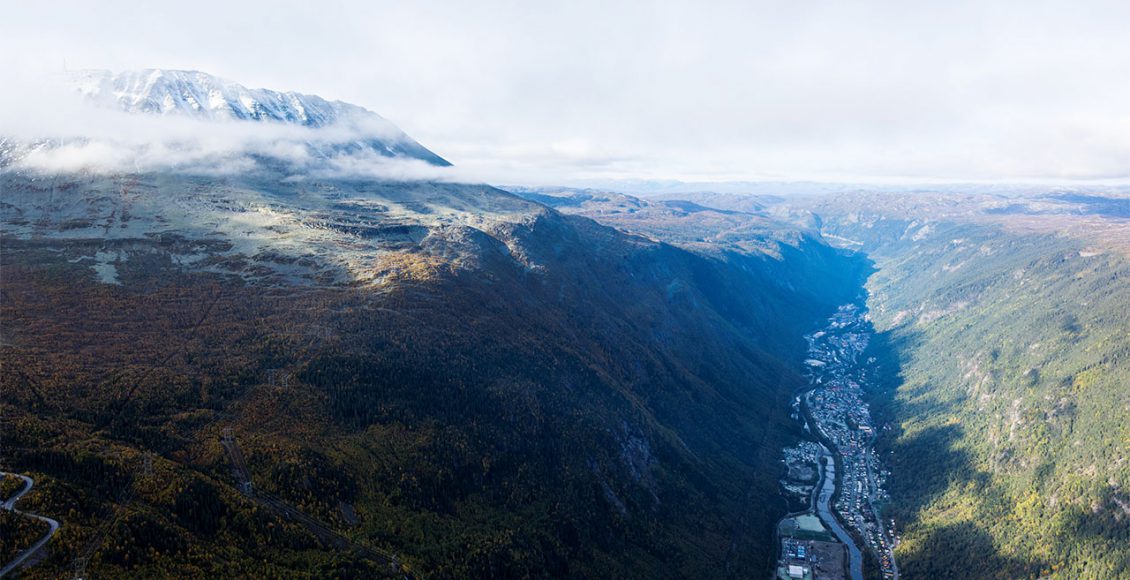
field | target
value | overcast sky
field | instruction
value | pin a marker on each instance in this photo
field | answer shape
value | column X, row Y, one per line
column 564, row 92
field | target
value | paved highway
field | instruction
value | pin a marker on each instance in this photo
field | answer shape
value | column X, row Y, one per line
column 10, row 505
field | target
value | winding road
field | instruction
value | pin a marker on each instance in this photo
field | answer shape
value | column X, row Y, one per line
column 10, row 505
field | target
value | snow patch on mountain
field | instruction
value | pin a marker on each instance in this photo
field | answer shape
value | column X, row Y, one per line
column 158, row 119
column 202, row 95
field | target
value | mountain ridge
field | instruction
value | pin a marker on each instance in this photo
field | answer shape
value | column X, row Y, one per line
column 474, row 381
column 218, row 120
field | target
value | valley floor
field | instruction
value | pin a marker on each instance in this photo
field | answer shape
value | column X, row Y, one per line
column 850, row 492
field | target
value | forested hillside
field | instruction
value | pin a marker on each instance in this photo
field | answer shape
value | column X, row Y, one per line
column 526, row 396
column 1011, row 420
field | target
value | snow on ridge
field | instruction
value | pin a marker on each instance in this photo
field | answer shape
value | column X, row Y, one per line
column 203, row 95
column 157, row 118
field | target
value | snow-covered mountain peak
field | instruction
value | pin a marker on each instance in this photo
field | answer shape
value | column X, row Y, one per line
column 199, row 95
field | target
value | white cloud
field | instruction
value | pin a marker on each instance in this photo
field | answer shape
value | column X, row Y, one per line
column 541, row 92
column 62, row 132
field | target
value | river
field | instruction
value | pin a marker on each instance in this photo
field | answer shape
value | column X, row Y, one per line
column 836, row 412
column 824, row 510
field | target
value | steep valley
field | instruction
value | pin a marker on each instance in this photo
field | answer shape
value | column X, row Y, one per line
column 1001, row 355
column 473, row 382
column 269, row 362
column 1006, row 347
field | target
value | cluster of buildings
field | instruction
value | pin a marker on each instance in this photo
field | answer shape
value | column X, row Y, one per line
column 803, row 472
column 842, row 417
column 803, row 559
column 795, row 556
column 804, row 452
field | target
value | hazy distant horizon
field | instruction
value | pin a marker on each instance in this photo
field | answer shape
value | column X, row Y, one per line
column 804, row 187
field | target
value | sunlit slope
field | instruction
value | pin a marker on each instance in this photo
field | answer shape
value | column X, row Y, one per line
column 470, row 380
column 1012, row 413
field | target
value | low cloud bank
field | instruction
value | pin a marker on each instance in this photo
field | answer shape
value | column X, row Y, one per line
column 49, row 128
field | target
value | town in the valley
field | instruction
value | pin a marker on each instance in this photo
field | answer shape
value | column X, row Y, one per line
column 833, row 520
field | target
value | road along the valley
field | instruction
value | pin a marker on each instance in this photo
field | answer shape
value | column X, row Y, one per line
column 10, row 505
